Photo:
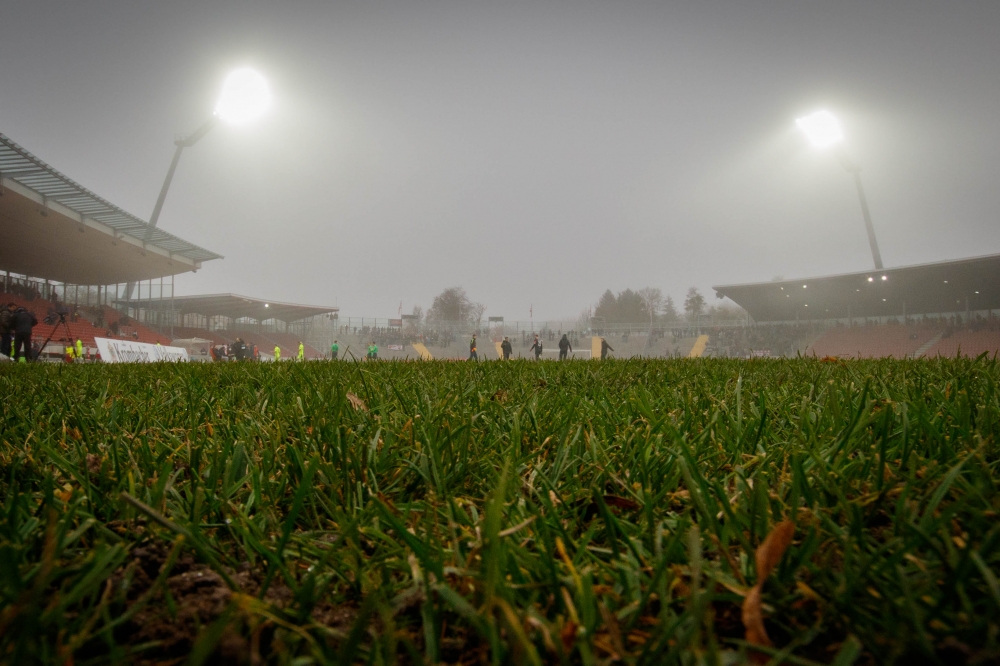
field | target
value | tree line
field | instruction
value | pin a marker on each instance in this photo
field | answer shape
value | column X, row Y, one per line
column 647, row 305
column 650, row 305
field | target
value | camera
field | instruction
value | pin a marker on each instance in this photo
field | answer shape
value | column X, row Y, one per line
column 55, row 315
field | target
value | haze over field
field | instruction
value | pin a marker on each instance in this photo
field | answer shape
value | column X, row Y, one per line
column 532, row 153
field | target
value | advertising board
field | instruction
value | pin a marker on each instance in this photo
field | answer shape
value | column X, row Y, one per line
column 129, row 351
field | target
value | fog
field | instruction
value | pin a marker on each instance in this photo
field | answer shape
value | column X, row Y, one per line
column 533, row 153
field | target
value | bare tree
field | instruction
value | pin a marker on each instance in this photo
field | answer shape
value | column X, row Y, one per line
column 477, row 311
column 652, row 301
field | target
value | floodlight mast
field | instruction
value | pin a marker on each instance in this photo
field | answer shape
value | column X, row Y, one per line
column 824, row 131
column 855, row 171
column 244, row 98
column 181, row 143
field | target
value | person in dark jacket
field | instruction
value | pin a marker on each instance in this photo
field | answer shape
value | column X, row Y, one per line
column 605, row 348
column 564, row 347
column 473, row 356
column 7, row 329
column 22, row 321
column 506, row 348
column 536, row 347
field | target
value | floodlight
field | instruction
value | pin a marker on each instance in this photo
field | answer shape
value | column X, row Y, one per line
column 245, row 97
column 821, row 128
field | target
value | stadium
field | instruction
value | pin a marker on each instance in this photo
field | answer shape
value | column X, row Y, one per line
column 203, row 461
column 69, row 247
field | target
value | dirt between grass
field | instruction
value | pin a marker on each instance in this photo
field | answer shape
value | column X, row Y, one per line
column 197, row 597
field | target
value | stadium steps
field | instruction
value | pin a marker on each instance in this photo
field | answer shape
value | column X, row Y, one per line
column 924, row 348
column 699, row 347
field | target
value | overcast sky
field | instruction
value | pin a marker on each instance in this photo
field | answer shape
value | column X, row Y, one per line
column 531, row 152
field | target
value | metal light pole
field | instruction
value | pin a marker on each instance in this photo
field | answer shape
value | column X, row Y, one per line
column 181, row 144
column 855, row 170
column 245, row 97
column 824, row 131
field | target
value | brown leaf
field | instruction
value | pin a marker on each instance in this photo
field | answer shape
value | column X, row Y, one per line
column 621, row 502
column 568, row 635
column 357, row 403
column 768, row 556
column 753, row 618
column 773, row 549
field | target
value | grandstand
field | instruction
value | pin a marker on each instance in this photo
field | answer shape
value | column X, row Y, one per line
column 66, row 248
column 942, row 308
column 222, row 318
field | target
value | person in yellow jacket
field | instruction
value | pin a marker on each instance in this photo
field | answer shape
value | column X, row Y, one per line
column 69, row 351
column 79, row 349
column 277, row 353
column 302, row 351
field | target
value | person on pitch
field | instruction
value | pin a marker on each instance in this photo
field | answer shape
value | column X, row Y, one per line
column 506, row 348
column 473, row 356
column 536, row 347
column 277, row 353
column 334, row 351
column 79, row 349
column 373, row 351
column 605, row 348
column 564, row 347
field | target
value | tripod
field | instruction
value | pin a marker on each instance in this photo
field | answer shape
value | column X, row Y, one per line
column 62, row 320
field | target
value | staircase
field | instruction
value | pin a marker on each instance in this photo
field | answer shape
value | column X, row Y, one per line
column 927, row 345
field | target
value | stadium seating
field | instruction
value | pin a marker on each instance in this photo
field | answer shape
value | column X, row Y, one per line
column 966, row 343
column 895, row 340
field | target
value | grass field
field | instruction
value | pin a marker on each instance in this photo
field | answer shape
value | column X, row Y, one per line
column 640, row 512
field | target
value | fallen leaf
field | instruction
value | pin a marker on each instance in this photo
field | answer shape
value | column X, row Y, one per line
column 768, row 555
column 568, row 635
column 770, row 552
column 357, row 403
column 621, row 502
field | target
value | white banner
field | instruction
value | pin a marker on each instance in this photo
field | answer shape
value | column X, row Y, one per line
column 128, row 351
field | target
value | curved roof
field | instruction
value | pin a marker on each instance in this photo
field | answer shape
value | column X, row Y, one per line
column 34, row 189
column 942, row 287
column 235, row 307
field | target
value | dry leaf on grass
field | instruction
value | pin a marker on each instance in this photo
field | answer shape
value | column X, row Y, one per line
column 568, row 635
column 357, row 403
column 621, row 502
column 768, row 556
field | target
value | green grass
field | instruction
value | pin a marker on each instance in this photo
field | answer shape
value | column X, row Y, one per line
column 490, row 513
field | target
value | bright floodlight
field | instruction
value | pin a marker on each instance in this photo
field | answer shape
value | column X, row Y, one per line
column 244, row 98
column 821, row 128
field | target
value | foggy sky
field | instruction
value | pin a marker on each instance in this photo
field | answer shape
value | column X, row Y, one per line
column 530, row 152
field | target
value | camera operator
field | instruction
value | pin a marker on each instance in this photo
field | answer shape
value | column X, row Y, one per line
column 22, row 321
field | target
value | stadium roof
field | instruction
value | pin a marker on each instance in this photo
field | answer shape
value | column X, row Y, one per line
column 944, row 287
column 234, row 306
column 56, row 229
